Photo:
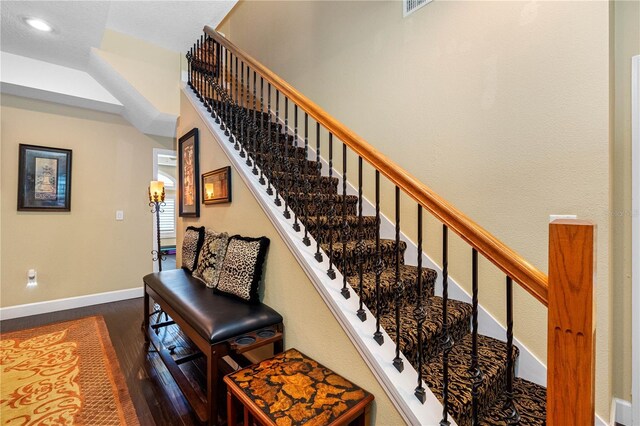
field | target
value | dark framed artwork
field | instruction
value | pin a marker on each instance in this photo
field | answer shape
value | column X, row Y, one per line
column 44, row 178
column 216, row 186
column 188, row 173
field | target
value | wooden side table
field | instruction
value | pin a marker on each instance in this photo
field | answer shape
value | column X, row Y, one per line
column 292, row 389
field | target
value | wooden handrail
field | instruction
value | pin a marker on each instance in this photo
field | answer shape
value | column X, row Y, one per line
column 511, row 263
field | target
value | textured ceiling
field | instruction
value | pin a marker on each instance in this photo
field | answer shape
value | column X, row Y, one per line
column 171, row 24
column 79, row 25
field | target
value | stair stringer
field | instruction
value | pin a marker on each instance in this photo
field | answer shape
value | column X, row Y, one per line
column 528, row 365
column 398, row 386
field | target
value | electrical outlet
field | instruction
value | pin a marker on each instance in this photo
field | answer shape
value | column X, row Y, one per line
column 553, row 217
column 32, row 278
column 119, row 215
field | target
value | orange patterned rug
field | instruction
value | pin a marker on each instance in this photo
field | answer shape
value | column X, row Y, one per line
column 64, row 374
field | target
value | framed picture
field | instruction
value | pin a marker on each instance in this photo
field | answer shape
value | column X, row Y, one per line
column 216, row 186
column 188, row 182
column 44, row 179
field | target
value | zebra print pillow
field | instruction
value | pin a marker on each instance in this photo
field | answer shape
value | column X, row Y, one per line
column 242, row 267
column 191, row 244
column 211, row 257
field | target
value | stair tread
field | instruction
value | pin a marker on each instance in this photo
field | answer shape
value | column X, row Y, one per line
column 337, row 220
column 301, row 176
column 530, row 400
column 458, row 320
column 408, row 276
column 407, row 273
column 492, row 362
column 386, row 245
column 312, row 196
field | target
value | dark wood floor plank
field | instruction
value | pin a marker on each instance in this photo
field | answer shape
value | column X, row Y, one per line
column 156, row 397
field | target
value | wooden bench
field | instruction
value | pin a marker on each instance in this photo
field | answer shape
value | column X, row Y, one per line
column 218, row 325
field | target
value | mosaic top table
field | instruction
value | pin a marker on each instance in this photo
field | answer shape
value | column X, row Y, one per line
column 293, row 389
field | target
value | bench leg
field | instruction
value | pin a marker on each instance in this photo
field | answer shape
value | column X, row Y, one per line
column 212, row 383
column 145, row 321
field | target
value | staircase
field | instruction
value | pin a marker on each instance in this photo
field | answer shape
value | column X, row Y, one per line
column 472, row 375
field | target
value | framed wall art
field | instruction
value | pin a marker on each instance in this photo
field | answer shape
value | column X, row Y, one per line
column 44, row 178
column 216, row 186
column 188, row 182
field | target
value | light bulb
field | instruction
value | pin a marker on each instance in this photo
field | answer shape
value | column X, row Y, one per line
column 39, row 24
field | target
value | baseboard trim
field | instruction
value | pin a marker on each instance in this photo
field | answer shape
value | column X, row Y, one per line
column 621, row 412
column 18, row 311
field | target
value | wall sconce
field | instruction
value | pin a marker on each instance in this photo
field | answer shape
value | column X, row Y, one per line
column 156, row 202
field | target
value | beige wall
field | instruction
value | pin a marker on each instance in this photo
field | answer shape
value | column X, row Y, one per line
column 626, row 45
column 501, row 107
column 86, row 250
column 151, row 70
column 309, row 325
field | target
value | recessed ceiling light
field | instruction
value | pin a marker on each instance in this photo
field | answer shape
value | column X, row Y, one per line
column 38, row 24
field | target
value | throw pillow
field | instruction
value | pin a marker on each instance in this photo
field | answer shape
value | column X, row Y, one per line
column 191, row 244
column 211, row 257
column 242, row 268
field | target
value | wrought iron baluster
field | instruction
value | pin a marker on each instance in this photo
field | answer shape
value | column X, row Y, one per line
column 295, row 170
column 224, row 125
column 379, row 267
column 268, row 141
column 276, row 183
column 244, row 141
column 199, row 70
column 236, row 107
column 360, row 245
column 195, row 68
column 212, row 77
column 399, row 288
column 345, row 225
column 232, row 101
column 287, row 167
column 241, row 109
column 446, row 339
column 307, row 185
column 216, row 76
column 190, row 68
column 420, row 314
column 207, row 80
column 254, row 128
column 332, row 211
column 513, row 417
column 248, row 124
column 318, row 197
column 475, row 371
column 203, row 71
column 262, row 141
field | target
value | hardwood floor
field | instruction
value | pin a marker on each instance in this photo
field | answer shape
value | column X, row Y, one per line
column 155, row 395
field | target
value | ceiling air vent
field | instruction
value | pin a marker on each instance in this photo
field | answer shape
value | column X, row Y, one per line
column 410, row 6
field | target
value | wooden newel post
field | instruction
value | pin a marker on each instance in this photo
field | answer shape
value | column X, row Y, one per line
column 571, row 323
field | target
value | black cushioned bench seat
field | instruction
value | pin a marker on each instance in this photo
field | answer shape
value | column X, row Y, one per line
column 214, row 317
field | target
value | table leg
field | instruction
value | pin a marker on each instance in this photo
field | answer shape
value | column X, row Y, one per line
column 247, row 417
column 231, row 410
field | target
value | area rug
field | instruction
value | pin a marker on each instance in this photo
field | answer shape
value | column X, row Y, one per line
column 64, row 374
